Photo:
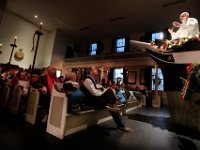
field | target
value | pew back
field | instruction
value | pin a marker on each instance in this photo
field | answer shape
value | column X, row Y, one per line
column 32, row 106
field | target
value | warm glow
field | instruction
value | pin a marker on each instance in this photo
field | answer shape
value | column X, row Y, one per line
column 15, row 37
column 0, row 45
column 36, row 16
column 40, row 27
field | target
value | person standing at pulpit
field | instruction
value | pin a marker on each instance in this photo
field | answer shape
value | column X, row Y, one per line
column 188, row 28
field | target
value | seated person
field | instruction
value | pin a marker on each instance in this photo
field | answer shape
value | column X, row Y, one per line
column 61, row 79
column 120, row 95
column 132, row 96
column 137, row 93
column 100, row 99
column 75, row 95
column 45, row 85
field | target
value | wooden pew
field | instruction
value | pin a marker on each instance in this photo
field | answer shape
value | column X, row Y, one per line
column 61, row 124
column 32, row 106
column 15, row 102
column 5, row 95
column 20, row 90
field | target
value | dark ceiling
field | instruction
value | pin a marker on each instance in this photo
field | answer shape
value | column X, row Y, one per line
column 92, row 19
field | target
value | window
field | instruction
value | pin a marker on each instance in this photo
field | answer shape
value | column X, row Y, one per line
column 58, row 73
column 160, row 80
column 118, row 75
column 157, row 36
column 120, row 45
column 93, row 49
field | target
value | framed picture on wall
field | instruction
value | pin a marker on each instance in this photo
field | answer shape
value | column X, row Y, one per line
column 132, row 76
column 142, row 76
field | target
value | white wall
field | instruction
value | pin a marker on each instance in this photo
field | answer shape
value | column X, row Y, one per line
column 46, row 61
column 11, row 26
column 59, row 49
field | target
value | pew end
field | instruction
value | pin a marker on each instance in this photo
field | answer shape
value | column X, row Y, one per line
column 61, row 124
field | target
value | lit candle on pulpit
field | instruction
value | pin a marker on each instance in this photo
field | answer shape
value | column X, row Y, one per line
column 40, row 27
column 15, row 39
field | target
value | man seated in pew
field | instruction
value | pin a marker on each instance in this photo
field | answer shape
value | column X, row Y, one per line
column 44, row 86
column 102, row 98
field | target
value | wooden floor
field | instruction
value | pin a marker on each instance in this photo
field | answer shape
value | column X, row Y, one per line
column 152, row 131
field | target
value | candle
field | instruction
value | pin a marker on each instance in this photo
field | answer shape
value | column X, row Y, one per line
column 40, row 27
column 0, row 48
column 15, row 39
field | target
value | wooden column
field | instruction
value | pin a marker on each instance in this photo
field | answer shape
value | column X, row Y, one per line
column 156, row 97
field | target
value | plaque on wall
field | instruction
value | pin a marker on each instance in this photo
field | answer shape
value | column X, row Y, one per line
column 19, row 55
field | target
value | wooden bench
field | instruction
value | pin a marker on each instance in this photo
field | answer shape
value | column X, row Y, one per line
column 61, row 124
column 32, row 106
column 5, row 95
column 15, row 102
column 20, row 90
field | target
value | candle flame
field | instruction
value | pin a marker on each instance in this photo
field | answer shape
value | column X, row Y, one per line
column 15, row 37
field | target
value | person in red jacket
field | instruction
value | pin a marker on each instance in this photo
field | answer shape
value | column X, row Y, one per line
column 45, row 85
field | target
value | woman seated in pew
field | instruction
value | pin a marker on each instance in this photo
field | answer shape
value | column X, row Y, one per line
column 102, row 98
column 75, row 95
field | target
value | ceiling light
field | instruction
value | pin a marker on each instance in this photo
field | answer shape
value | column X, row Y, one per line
column 36, row 16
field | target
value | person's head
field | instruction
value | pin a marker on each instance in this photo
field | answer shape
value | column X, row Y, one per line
column 81, row 81
column 110, row 83
column 44, row 71
column 61, row 79
column 92, row 71
column 184, row 16
column 34, row 78
column 51, row 71
column 72, row 76
column 122, row 85
column 137, row 88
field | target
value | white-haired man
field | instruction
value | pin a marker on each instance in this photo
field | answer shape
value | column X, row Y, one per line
column 102, row 98
column 188, row 28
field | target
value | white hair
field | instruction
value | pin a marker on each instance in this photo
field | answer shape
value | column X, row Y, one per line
column 71, row 75
column 185, row 13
